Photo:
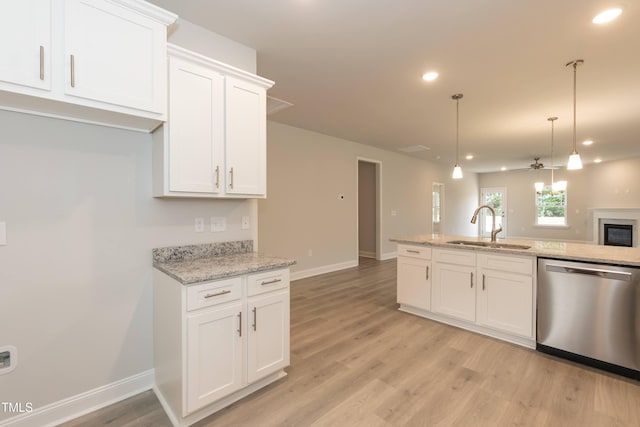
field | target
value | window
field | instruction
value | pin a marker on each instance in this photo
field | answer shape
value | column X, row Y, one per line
column 437, row 193
column 496, row 197
column 551, row 207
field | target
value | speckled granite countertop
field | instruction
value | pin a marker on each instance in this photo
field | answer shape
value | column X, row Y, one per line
column 547, row 249
column 201, row 263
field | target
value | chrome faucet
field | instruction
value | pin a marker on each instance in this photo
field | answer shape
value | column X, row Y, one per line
column 494, row 230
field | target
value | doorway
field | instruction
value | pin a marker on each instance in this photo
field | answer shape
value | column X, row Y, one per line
column 496, row 197
column 369, row 244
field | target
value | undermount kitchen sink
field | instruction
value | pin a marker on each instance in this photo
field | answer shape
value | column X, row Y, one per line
column 488, row 244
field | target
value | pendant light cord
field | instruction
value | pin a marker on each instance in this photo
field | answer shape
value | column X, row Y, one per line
column 552, row 120
column 575, row 66
column 457, row 98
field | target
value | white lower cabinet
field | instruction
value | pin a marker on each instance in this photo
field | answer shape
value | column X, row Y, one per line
column 218, row 341
column 486, row 292
column 414, row 277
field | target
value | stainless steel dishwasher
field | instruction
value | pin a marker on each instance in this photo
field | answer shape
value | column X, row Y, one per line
column 590, row 313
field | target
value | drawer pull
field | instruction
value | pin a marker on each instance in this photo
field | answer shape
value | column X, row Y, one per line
column 217, row 177
column 427, row 274
column 471, row 281
column 271, row 282
column 240, row 324
column 218, row 294
column 231, row 179
column 413, row 251
column 483, row 282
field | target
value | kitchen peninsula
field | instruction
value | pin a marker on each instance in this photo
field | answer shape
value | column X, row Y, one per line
column 562, row 298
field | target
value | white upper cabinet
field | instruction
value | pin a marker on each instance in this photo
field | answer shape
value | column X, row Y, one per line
column 25, row 43
column 246, row 126
column 214, row 142
column 111, row 55
column 196, row 128
column 95, row 61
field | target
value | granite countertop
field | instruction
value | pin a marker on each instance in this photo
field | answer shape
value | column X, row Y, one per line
column 201, row 263
column 540, row 248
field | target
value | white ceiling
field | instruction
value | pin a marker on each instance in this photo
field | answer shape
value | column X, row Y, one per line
column 352, row 69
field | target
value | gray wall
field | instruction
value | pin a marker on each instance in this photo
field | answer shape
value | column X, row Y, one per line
column 606, row 185
column 75, row 277
column 307, row 173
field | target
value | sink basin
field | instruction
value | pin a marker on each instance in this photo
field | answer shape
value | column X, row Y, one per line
column 489, row 244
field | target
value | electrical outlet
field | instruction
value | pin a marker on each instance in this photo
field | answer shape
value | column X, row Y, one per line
column 218, row 223
column 310, row 252
column 245, row 222
column 3, row 233
column 199, row 225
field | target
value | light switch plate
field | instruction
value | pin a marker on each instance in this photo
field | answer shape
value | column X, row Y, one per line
column 199, row 225
column 245, row 222
column 3, row 233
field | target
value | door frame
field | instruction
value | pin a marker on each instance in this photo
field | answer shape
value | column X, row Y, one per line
column 378, row 181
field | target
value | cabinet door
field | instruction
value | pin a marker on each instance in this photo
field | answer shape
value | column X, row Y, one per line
column 214, row 355
column 505, row 302
column 246, row 139
column 196, row 132
column 414, row 282
column 114, row 55
column 454, row 292
column 268, row 342
column 25, row 43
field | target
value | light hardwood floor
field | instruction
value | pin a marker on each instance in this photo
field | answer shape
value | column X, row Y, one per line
column 357, row 361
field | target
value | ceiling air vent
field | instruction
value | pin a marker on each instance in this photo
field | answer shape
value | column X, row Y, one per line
column 275, row 105
column 413, row 148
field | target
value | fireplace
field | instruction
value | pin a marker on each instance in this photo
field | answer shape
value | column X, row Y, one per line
column 617, row 234
column 616, row 226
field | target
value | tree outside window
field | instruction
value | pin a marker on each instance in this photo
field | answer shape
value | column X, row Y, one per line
column 551, row 207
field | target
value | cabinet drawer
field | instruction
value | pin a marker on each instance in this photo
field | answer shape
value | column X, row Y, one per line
column 459, row 257
column 421, row 252
column 267, row 281
column 507, row 263
column 212, row 293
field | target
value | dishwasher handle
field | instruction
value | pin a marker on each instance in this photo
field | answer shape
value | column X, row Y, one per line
column 605, row 274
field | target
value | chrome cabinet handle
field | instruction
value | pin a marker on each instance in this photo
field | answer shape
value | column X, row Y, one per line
column 471, row 281
column 271, row 282
column 73, row 71
column 240, row 324
column 255, row 319
column 41, row 62
column 413, row 251
column 483, row 281
column 217, row 177
column 218, row 294
column 231, row 180
column 427, row 274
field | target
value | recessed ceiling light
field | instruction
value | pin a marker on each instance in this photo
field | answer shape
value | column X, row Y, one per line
column 597, row 160
column 607, row 16
column 504, row 168
column 587, row 142
column 430, row 76
column 469, row 157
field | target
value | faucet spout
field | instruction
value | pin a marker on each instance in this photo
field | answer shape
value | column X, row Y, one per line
column 494, row 230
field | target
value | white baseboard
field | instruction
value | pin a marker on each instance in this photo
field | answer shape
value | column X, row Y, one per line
column 367, row 254
column 303, row 274
column 83, row 403
column 388, row 255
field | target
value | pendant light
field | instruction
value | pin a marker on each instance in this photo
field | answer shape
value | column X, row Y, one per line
column 457, row 170
column 574, row 159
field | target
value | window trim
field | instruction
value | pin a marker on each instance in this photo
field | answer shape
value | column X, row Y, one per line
column 566, row 211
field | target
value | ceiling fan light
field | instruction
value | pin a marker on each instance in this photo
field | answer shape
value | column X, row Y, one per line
column 539, row 186
column 457, row 172
column 574, row 162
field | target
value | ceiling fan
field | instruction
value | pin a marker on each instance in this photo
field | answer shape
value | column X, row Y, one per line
column 537, row 165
